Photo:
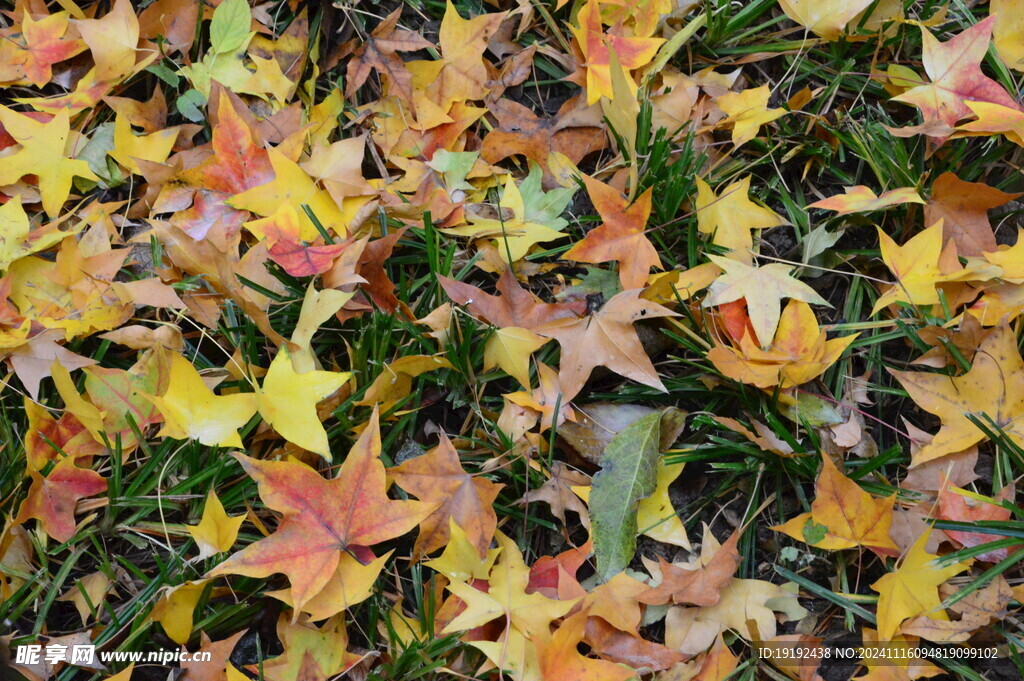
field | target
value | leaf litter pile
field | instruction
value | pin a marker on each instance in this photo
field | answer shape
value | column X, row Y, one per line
column 545, row 341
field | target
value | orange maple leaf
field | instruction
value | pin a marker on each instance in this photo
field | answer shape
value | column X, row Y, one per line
column 322, row 517
column 621, row 237
column 596, row 46
column 439, row 478
column 51, row 500
column 963, row 208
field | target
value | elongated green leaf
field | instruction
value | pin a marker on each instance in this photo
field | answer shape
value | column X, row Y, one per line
column 628, row 474
column 229, row 28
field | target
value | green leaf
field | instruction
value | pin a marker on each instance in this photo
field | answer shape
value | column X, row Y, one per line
column 814, row 532
column 164, row 73
column 628, row 474
column 95, row 152
column 188, row 105
column 454, row 166
column 229, row 29
column 544, row 208
column 812, row 410
column 605, row 282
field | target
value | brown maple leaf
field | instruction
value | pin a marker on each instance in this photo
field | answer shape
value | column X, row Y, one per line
column 574, row 132
column 963, row 207
column 515, row 306
column 606, row 339
column 439, row 478
column 702, row 583
column 379, row 52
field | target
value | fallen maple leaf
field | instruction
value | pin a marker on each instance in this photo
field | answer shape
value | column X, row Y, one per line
column 746, row 607
column 175, row 609
column 960, row 505
column 379, row 52
column 112, row 40
column 191, row 410
column 954, row 68
column 622, row 236
column 916, row 265
column 596, row 46
column 394, row 382
column 505, row 596
column 88, row 595
column 730, row 216
column 826, row 19
column 237, row 164
column 994, row 387
column 560, row 659
column 843, row 516
column 698, row 583
column 962, row 207
column 43, row 153
column 763, row 288
column 43, row 42
column 557, row 493
column 861, row 199
column 607, row 339
column 310, row 653
column 514, row 307
column 216, row 531
column 746, row 112
column 17, row 236
column 573, row 132
column 912, row 589
column 437, row 477
column 1008, row 32
column 51, row 499
column 513, row 236
column 312, row 534
column 287, row 401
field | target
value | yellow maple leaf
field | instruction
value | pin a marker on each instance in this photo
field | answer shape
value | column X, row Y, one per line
column 747, row 111
column 291, row 185
column 730, row 216
column 994, row 387
column 394, row 383
column 913, row 588
column 216, row 531
column 192, row 411
column 512, row 236
column 506, row 597
column 352, row 583
column 916, row 267
column 17, row 239
column 460, row 559
column 1008, row 34
column 43, row 153
column 287, row 401
column 510, row 349
column 176, row 607
column 824, row 18
column 128, row 147
column 112, row 40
